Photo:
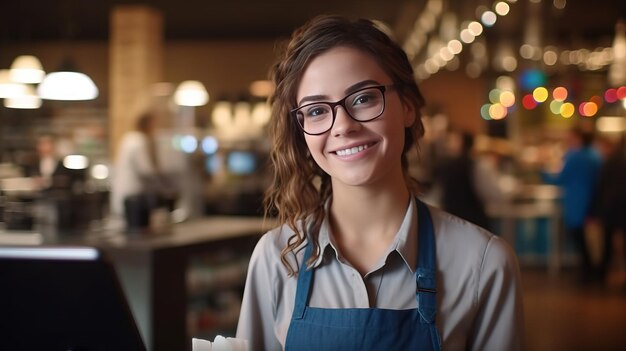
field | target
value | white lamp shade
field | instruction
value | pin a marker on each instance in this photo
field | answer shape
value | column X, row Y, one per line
column 191, row 93
column 70, row 86
column 27, row 100
column 9, row 88
column 75, row 162
column 27, row 69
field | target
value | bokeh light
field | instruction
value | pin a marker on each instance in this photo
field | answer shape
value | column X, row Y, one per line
column 567, row 110
column 484, row 112
column 488, row 18
column 210, row 145
column 455, row 46
column 100, row 171
column 466, row 36
column 532, row 78
column 497, row 111
column 188, row 143
column 610, row 95
column 589, row 109
column 597, row 100
column 494, row 95
column 526, row 51
column 581, row 108
column 475, row 28
column 621, row 93
column 540, row 94
column 529, row 102
column 550, row 57
column 559, row 94
column 555, row 106
column 507, row 98
column 502, row 8
column 505, row 83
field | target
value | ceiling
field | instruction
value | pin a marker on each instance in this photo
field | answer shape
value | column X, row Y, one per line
column 25, row 21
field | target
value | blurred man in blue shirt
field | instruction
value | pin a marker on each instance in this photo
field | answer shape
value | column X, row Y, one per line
column 577, row 180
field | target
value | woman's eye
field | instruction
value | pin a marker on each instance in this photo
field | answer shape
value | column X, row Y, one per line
column 316, row 111
column 362, row 99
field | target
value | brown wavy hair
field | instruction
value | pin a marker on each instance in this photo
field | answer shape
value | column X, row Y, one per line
column 300, row 188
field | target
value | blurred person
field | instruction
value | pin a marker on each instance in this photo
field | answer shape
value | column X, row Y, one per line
column 465, row 185
column 578, row 180
column 48, row 169
column 609, row 210
column 137, row 176
column 358, row 261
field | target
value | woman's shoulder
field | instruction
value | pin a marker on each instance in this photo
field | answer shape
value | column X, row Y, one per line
column 276, row 238
column 268, row 250
column 460, row 237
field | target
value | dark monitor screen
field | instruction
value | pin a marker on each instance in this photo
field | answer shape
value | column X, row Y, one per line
column 54, row 298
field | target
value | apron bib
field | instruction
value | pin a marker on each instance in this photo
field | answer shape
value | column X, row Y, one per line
column 321, row 329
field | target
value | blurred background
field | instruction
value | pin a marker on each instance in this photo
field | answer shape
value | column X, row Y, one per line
column 516, row 87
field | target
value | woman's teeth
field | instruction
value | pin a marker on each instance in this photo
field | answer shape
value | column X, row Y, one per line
column 351, row 151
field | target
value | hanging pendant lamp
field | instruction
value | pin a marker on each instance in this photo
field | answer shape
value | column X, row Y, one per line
column 9, row 88
column 191, row 93
column 27, row 100
column 27, row 69
column 67, row 84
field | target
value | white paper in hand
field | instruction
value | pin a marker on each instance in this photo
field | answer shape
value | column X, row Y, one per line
column 219, row 344
column 201, row 345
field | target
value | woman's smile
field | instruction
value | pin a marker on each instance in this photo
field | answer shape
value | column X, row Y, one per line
column 352, row 150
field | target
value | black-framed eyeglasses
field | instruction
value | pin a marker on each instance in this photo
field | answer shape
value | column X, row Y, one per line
column 363, row 105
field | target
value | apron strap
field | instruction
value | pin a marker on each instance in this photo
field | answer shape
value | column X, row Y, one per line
column 426, row 271
column 304, row 285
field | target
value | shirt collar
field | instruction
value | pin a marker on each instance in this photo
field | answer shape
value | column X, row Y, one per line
column 324, row 236
column 405, row 242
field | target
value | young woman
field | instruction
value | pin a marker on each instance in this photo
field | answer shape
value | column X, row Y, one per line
column 358, row 261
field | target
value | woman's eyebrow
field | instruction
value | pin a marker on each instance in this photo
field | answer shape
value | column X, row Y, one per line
column 360, row 85
column 348, row 90
column 313, row 98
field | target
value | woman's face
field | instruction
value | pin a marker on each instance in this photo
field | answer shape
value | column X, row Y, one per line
column 355, row 153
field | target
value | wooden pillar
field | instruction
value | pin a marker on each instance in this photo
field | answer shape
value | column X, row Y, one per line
column 136, row 63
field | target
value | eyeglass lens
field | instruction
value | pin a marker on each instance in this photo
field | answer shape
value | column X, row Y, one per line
column 363, row 105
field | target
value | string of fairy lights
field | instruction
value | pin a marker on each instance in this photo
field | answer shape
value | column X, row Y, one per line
column 501, row 102
column 434, row 47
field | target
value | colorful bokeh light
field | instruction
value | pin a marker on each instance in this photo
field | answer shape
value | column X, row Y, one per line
column 567, row 110
column 555, row 106
column 507, row 98
column 484, row 112
column 497, row 111
column 597, row 100
column 532, row 78
column 540, row 94
column 559, row 94
column 588, row 109
column 494, row 95
column 610, row 95
column 529, row 102
column 621, row 93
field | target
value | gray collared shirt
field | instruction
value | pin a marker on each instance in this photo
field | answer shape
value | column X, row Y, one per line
column 478, row 285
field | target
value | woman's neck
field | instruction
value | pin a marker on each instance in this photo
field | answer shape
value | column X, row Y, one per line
column 364, row 223
column 358, row 213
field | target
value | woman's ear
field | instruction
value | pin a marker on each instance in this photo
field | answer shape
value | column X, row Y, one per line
column 409, row 114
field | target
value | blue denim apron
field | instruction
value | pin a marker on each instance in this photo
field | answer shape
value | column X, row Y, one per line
column 322, row 329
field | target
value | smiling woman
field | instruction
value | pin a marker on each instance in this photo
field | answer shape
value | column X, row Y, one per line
column 345, row 112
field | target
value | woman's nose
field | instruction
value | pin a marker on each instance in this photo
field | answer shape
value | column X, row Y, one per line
column 344, row 124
